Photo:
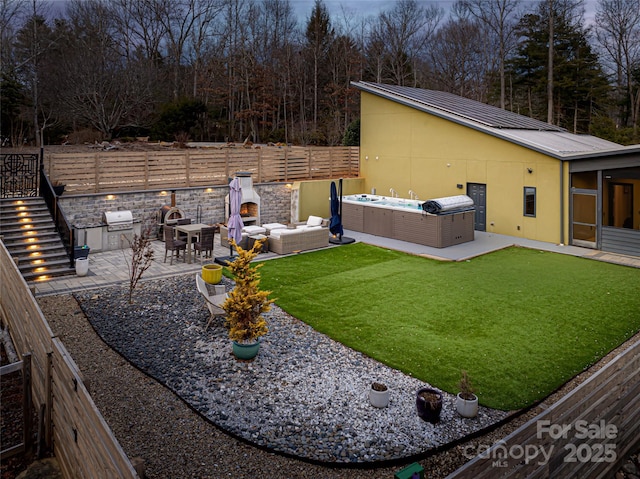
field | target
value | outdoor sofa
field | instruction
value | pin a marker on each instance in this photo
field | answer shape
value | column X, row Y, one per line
column 303, row 238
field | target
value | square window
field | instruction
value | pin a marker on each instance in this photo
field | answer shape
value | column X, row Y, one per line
column 529, row 201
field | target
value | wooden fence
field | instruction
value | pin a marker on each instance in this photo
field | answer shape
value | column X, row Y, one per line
column 73, row 427
column 26, row 446
column 104, row 171
column 585, row 434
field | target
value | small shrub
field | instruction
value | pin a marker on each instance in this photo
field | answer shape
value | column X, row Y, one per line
column 141, row 259
column 379, row 387
column 466, row 388
column 246, row 303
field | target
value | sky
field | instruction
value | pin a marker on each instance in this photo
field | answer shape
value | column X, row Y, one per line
column 366, row 8
column 362, row 8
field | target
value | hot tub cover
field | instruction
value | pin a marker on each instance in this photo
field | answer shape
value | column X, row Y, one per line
column 448, row 204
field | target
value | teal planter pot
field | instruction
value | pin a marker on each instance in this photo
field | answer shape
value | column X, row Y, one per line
column 246, row 351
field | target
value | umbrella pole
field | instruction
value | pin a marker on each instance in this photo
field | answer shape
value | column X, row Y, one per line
column 340, row 205
column 341, row 239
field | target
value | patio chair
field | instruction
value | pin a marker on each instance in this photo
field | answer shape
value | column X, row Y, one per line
column 213, row 301
column 204, row 246
column 174, row 245
column 183, row 221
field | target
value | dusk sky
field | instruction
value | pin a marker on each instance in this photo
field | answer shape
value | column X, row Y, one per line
column 359, row 8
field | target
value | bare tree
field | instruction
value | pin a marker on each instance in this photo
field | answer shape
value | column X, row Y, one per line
column 139, row 28
column 319, row 36
column 402, row 33
column 34, row 43
column 460, row 58
column 178, row 19
column 618, row 32
column 96, row 85
column 141, row 258
column 499, row 18
column 200, row 32
column 11, row 11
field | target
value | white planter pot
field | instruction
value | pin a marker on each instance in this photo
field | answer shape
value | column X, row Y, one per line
column 379, row 398
column 467, row 408
column 82, row 266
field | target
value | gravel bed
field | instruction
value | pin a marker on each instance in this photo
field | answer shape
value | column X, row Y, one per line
column 304, row 395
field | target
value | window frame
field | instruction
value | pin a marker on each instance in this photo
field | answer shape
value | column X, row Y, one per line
column 529, row 191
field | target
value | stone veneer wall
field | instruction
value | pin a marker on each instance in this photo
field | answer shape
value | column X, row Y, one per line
column 84, row 211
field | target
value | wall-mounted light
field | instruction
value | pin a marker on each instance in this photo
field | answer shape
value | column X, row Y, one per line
column 163, row 193
column 377, row 157
column 448, row 165
column 459, row 186
column 530, row 170
column 289, row 185
column 208, row 190
column 111, row 197
column 366, row 157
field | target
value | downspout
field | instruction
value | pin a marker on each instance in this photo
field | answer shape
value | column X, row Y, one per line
column 562, row 202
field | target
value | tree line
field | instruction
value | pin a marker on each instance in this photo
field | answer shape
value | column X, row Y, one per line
column 231, row 70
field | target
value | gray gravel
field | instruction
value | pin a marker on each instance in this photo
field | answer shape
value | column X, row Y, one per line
column 304, row 395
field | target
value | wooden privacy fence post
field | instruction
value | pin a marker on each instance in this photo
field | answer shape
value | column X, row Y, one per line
column 27, row 406
column 48, row 401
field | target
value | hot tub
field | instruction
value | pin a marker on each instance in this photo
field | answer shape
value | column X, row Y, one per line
column 406, row 220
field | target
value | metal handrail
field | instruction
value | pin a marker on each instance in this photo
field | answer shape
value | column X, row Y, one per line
column 63, row 227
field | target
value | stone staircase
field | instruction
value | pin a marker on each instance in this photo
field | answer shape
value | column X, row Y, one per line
column 30, row 236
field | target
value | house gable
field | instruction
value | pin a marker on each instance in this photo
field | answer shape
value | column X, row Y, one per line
column 436, row 144
column 407, row 149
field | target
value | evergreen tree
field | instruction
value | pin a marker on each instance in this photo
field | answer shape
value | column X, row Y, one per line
column 579, row 83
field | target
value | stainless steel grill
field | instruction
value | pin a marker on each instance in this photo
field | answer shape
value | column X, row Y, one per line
column 120, row 220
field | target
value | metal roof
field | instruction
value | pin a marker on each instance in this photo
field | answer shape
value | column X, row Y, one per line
column 528, row 132
column 563, row 143
column 488, row 115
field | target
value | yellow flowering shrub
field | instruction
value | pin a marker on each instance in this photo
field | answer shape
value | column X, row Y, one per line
column 246, row 303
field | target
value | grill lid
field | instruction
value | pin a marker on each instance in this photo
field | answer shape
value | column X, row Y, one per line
column 117, row 218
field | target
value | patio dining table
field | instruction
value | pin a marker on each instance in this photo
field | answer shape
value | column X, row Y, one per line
column 192, row 231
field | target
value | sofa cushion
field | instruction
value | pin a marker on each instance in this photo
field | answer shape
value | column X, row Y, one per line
column 273, row 226
column 254, row 230
column 314, row 221
column 308, row 227
column 284, row 232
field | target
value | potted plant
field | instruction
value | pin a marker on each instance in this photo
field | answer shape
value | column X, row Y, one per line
column 246, row 303
column 58, row 188
column 429, row 404
column 466, row 401
column 379, row 395
column 212, row 273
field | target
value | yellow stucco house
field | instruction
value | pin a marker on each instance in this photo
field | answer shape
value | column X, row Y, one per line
column 527, row 178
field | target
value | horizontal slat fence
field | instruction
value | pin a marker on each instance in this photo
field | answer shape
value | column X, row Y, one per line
column 74, row 428
column 78, row 424
column 611, row 395
column 105, row 171
column 29, row 331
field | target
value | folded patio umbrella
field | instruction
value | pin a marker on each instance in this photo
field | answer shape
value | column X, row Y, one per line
column 235, row 224
column 335, row 223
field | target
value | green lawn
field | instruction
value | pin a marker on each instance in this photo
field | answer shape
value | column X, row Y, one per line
column 521, row 322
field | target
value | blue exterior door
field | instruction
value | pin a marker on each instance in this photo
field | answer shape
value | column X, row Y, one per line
column 478, row 193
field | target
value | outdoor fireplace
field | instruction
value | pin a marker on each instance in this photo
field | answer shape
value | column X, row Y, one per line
column 250, row 206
